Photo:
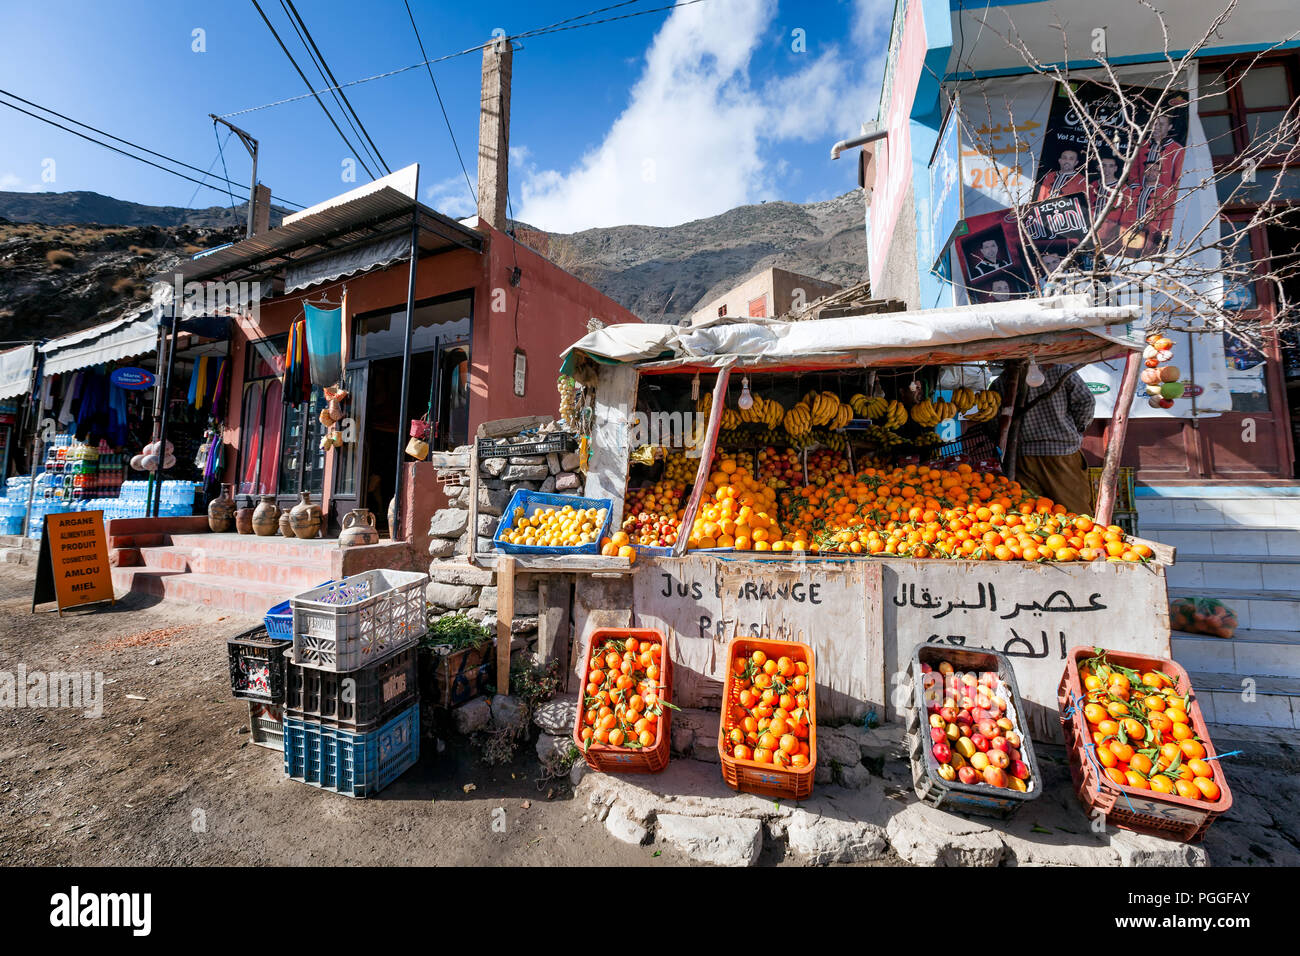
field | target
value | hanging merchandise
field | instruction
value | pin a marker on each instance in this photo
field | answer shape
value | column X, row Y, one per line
column 324, row 341
column 331, row 415
column 217, row 384
column 297, row 377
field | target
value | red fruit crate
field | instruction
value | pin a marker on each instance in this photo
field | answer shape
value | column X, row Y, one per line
column 608, row 759
column 763, row 779
column 1143, row 811
column 981, row 798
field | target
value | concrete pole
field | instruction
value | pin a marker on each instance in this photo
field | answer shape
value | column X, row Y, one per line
column 494, row 133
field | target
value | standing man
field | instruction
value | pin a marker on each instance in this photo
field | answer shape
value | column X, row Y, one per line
column 1056, row 415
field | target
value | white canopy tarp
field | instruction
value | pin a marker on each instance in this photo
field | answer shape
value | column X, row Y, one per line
column 122, row 338
column 16, row 371
column 945, row 330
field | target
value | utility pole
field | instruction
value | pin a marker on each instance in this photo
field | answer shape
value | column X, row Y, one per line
column 250, row 144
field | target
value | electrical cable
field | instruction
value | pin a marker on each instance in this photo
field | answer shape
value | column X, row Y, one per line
column 472, row 192
column 170, row 159
column 328, row 76
column 330, row 116
column 221, row 151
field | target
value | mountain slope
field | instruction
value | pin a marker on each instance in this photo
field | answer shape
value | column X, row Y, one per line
column 61, row 209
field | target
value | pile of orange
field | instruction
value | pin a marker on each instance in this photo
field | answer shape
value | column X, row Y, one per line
column 624, row 697
column 736, row 511
column 618, row 545
column 768, row 718
column 1141, row 732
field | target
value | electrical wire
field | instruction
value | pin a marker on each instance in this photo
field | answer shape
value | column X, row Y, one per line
column 151, row 152
column 221, row 151
column 454, row 145
column 330, row 116
column 328, row 76
column 557, row 27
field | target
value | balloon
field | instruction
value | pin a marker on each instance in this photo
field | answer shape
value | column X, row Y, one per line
column 149, row 463
column 1172, row 390
column 1154, row 389
column 1151, row 376
column 137, row 462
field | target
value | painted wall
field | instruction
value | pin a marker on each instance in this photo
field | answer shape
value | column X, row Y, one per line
column 778, row 288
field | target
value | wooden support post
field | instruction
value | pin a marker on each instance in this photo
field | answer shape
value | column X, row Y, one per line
column 472, row 553
column 1011, row 426
column 505, row 617
column 706, row 458
column 553, row 622
column 1105, row 507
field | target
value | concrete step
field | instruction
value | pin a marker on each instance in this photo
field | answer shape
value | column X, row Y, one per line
column 230, row 594
column 262, row 568
column 1248, row 653
column 293, row 549
column 1262, row 572
column 1275, row 542
column 1251, row 701
column 1255, row 610
column 1229, row 512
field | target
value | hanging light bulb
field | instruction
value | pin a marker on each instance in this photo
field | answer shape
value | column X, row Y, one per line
column 1034, row 374
column 695, row 388
column 746, row 400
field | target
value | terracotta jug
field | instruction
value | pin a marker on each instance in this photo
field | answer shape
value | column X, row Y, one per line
column 305, row 517
column 265, row 516
column 244, row 520
column 286, row 524
column 221, row 512
column 358, row 528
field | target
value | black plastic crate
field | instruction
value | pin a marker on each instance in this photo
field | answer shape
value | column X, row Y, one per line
column 553, row 443
column 353, row 700
column 953, row 794
column 257, row 666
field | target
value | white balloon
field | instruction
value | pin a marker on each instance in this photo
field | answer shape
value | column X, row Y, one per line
column 170, row 462
column 137, row 462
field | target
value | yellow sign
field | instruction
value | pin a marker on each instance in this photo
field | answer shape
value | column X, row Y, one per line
column 73, row 566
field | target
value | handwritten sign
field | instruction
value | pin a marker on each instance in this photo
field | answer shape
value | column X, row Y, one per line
column 1032, row 613
column 73, row 565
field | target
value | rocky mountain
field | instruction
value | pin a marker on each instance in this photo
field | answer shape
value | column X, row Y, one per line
column 59, row 274
column 61, row 209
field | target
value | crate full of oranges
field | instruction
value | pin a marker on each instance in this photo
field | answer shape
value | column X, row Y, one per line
column 623, row 723
column 1138, row 745
column 539, row 523
column 767, row 739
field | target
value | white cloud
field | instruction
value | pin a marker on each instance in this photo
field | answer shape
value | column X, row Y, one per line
column 451, row 197
column 697, row 137
column 13, row 183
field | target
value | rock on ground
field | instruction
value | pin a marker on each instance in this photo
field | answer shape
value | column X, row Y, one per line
column 621, row 826
column 473, row 715
column 721, row 841
column 924, row 836
column 557, row 716
column 508, row 712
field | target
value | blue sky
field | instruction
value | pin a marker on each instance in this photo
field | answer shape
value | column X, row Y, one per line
column 657, row 119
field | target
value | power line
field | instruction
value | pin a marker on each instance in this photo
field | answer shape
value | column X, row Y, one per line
column 557, row 27
column 314, row 95
column 151, row 152
column 141, row 159
column 472, row 192
column 328, row 76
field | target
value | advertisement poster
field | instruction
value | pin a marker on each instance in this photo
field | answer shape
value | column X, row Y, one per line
column 992, row 254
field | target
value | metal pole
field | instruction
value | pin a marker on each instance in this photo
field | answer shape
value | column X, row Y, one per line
column 156, row 495
column 35, row 404
column 406, row 367
column 250, row 144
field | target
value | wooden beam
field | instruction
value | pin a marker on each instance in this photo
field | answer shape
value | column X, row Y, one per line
column 553, row 596
column 577, row 563
column 706, row 457
column 505, row 617
column 1106, row 487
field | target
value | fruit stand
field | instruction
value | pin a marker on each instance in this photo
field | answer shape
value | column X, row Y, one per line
column 785, row 481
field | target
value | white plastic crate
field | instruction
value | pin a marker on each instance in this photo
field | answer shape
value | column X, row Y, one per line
column 346, row 637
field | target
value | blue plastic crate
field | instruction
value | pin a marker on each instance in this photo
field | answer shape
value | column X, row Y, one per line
column 355, row 765
column 279, row 620
column 530, row 499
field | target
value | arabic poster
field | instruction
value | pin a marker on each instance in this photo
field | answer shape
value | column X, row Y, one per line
column 992, row 248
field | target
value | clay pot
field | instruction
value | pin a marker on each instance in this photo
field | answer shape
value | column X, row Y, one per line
column 221, row 512
column 265, row 516
column 392, row 520
column 286, row 524
column 358, row 528
column 305, row 517
column 334, row 410
column 244, row 520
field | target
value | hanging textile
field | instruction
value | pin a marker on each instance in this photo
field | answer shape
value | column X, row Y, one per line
column 193, row 392
column 297, row 375
column 324, row 342
column 218, row 380
column 201, row 391
column 117, row 417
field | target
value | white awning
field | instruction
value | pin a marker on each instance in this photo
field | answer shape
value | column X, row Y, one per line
column 16, row 371
column 122, row 338
column 376, row 255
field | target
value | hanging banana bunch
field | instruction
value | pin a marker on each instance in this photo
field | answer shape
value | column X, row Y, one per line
column 705, row 404
column 987, row 405
column 964, row 400
column 798, row 420
column 895, row 414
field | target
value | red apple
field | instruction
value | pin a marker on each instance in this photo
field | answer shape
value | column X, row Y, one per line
column 1013, row 739
column 988, row 728
column 980, row 741
column 942, row 752
column 926, row 668
column 1000, row 743
column 948, row 713
column 1014, row 753
column 995, row 777
column 945, row 667
column 968, row 775
column 936, row 735
column 1020, row 769
column 1006, row 724
column 1000, row 759
column 989, row 679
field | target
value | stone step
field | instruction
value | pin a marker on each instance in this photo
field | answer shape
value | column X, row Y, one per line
column 1247, row 653
column 1276, row 542
column 1196, row 512
column 1261, row 572
column 1251, row 701
column 229, row 594
column 293, row 549
column 1255, row 610
column 266, row 569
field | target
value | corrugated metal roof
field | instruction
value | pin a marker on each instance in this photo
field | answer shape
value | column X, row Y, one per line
column 364, row 219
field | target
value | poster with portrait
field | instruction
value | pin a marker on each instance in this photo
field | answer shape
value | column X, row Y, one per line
column 1078, row 157
column 992, row 247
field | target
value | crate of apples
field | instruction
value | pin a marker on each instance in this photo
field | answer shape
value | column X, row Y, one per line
column 1138, row 746
column 969, row 749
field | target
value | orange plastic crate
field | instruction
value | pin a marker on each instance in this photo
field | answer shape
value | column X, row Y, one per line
column 607, row 759
column 766, row 780
column 1143, row 811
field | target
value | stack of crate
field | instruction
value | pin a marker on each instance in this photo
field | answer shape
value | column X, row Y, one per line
column 257, row 674
column 352, row 716
column 1125, row 513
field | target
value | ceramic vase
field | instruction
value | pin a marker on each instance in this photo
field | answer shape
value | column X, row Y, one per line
column 305, row 517
column 358, row 528
column 244, row 520
column 221, row 512
column 265, row 517
column 286, row 524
